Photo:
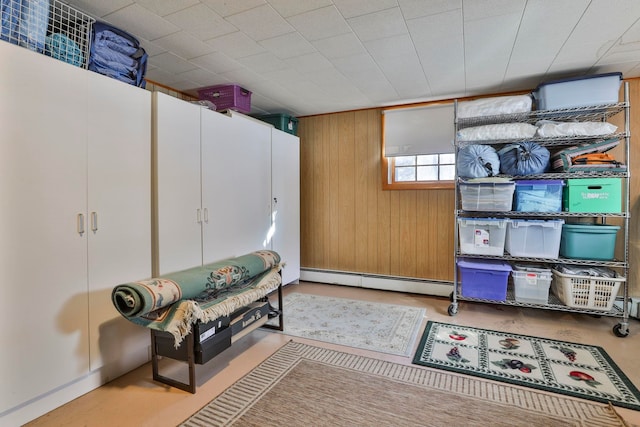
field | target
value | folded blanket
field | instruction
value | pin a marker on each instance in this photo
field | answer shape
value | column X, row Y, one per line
column 174, row 301
column 61, row 47
column 32, row 28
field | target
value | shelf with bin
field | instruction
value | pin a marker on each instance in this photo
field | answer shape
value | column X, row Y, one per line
column 590, row 113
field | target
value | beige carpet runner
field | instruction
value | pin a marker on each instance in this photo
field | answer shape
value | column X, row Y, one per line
column 307, row 385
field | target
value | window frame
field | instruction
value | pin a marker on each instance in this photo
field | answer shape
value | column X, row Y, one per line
column 389, row 182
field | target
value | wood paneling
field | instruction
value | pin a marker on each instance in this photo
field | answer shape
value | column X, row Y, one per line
column 349, row 223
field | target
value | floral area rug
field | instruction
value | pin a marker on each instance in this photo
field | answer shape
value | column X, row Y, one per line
column 386, row 328
column 562, row 367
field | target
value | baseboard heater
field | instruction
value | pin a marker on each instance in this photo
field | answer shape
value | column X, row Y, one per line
column 376, row 281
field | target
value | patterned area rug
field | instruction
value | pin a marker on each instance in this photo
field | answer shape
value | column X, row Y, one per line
column 562, row 367
column 385, row 328
column 304, row 385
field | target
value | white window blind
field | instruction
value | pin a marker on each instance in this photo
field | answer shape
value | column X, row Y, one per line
column 418, row 130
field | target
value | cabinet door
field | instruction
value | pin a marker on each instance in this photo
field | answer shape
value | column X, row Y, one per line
column 177, row 185
column 43, row 258
column 285, row 172
column 119, row 118
column 236, row 177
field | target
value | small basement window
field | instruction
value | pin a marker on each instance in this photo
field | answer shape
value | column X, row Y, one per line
column 418, row 148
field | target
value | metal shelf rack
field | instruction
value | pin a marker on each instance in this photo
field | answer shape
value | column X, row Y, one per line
column 590, row 113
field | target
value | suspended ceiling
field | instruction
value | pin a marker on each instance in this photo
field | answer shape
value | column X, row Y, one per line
column 305, row 57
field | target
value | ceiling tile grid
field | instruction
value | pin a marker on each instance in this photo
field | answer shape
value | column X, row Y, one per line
column 305, row 57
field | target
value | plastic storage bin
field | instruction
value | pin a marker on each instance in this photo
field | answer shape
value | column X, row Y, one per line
column 597, row 195
column 227, row 97
column 531, row 284
column 588, row 241
column 534, row 238
column 578, row 92
column 486, row 279
column 589, row 292
column 487, row 196
column 283, row 122
column 482, row 236
column 538, row 196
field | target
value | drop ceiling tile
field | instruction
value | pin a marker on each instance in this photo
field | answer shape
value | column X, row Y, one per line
column 150, row 47
column 202, row 22
column 200, row 77
column 231, row 7
column 390, row 47
column 378, row 25
column 263, row 62
column 488, row 47
column 353, row 8
column 243, row 76
column 161, row 76
column 171, row 63
column 236, row 45
column 408, row 79
column 320, row 23
column 261, row 23
column 99, row 9
column 412, row 9
column 340, row 46
column 184, row 45
column 141, row 22
column 288, row 45
column 491, row 8
column 166, row 7
column 309, row 62
column 288, row 8
column 217, row 62
column 183, row 85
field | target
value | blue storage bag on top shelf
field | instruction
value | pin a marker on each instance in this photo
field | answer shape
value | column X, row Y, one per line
column 524, row 158
column 117, row 54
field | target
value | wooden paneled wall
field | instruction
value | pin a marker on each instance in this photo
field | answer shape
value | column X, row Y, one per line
column 348, row 223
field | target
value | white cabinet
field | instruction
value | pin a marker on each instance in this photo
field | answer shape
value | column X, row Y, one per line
column 72, row 157
column 214, row 178
column 212, row 184
column 285, row 183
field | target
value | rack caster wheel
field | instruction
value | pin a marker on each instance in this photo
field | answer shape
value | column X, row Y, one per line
column 453, row 309
column 620, row 331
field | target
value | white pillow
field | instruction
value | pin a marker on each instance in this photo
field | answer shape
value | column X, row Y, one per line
column 548, row 129
column 497, row 131
column 495, row 106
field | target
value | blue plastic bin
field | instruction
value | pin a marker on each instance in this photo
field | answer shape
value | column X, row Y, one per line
column 486, row 279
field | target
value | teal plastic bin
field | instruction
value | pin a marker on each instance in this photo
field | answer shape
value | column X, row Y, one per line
column 283, row 122
column 588, row 241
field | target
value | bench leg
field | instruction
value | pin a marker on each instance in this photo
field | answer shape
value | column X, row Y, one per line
column 191, row 385
column 278, row 313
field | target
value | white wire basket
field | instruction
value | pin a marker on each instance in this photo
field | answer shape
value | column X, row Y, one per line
column 590, row 292
column 50, row 27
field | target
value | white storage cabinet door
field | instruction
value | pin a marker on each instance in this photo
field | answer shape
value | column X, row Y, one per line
column 177, row 185
column 236, row 181
column 119, row 213
column 43, row 256
column 285, row 172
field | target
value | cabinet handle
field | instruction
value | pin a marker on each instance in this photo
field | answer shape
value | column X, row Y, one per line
column 206, row 215
column 80, row 224
column 94, row 221
column 198, row 216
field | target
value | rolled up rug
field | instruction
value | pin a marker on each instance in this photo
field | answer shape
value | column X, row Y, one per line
column 174, row 301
